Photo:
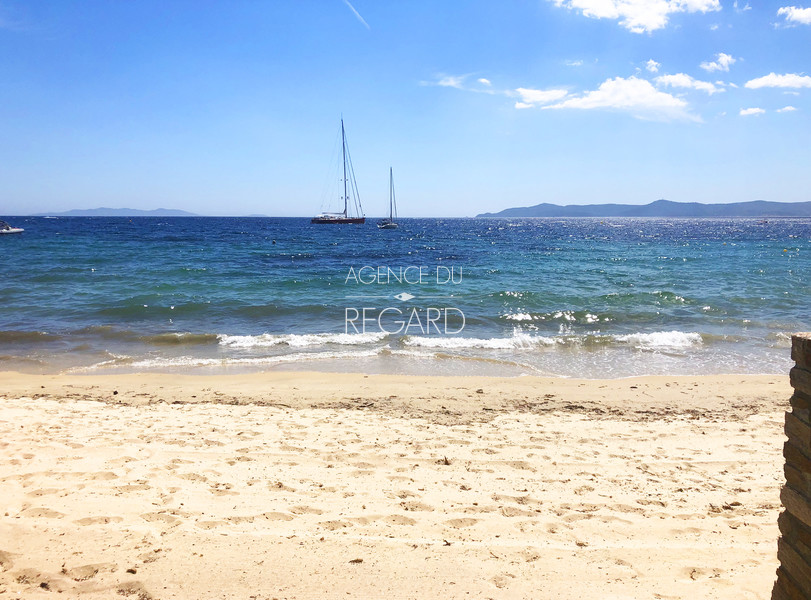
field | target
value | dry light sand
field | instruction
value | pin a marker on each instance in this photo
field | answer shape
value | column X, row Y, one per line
column 317, row 485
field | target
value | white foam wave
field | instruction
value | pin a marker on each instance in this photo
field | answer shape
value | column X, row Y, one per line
column 194, row 361
column 299, row 340
column 519, row 340
column 518, row 317
column 662, row 340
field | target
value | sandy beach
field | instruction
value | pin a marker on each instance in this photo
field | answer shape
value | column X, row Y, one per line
column 318, row 485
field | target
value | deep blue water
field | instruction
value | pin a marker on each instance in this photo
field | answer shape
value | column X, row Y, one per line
column 574, row 297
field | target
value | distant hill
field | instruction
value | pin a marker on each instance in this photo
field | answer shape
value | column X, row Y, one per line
column 120, row 212
column 662, row 208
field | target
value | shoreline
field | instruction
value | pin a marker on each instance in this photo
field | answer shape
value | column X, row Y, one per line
column 467, row 393
column 296, row 485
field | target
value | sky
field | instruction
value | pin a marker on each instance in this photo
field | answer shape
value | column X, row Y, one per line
column 234, row 108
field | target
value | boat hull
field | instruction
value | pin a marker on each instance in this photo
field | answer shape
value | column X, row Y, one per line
column 338, row 220
column 12, row 230
column 387, row 225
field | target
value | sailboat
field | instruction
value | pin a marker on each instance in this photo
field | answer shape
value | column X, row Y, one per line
column 350, row 187
column 390, row 223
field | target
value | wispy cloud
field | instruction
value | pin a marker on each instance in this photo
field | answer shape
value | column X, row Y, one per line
column 682, row 80
column 789, row 80
column 357, row 14
column 652, row 66
column 745, row 112
column 741, row 9
column 786, row 109
column 638, row 16
column 721, row 63
column 573, row 63
column 633, row 95
column 454, row 81
column 795, row 15
column 460, row 82
column 527, row 97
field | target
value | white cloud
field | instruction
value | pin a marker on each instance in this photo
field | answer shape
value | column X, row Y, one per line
column 714, row 27
column 786, row 109
column 795, row 15
column 484, row 81
column 638, row 16
column 789, row 80
column 740, row 10
column 751, row 111
column 633, row 95
column 652, row 66
column 531, row 98
column 721, row 63
column 573, row 63
column 682, row 80
column 454, row 81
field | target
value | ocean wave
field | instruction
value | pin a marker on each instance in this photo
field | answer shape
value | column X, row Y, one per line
column 299, row 340
column 661, row 340
column 518, row 340
column 195, row 361
column 12, row 336
column 173, row 339
column 657, row 340
column 569, row 316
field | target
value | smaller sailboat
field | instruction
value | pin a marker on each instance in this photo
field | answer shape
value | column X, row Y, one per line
column 6, row 228
column 390, row 223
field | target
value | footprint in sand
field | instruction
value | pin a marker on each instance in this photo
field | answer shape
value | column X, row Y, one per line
column 161, row 517
column 696, row 573
column 5, row 561
column 133, row 487
column 43, row 492
column 275, row 516
column 150, row 557
column 502, row 581
column 209, row 524
column 97, row 520
column 334, row 525
column 41, row 512
column 511, row 511
column 193, row 477
column 414, row 505
column 85, row 572
column 134, row 588
column 460, row 523
column 43, row 581
column 399, row 520
column 300, row 510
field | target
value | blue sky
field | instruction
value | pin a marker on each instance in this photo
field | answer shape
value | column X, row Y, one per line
column 232, row 108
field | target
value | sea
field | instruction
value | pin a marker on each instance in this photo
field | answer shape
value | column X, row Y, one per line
column 585, row 297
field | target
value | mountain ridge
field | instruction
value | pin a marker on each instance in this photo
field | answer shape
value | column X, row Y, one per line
column 661, row 208
column 119, row 212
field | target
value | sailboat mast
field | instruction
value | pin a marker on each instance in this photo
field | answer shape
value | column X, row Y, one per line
column 391, row 194
column 343, row 148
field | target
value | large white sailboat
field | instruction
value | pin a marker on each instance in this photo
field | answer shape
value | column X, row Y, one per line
column 350, row 190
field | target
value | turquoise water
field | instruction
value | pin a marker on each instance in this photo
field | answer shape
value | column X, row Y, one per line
column 569, row 297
